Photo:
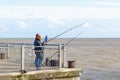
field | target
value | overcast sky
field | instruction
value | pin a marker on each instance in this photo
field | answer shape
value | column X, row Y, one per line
column 25, row 18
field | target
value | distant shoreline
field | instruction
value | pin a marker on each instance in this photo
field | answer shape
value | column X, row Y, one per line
column 62, row 38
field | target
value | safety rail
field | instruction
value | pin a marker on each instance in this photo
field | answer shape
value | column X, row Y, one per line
column 19, row 57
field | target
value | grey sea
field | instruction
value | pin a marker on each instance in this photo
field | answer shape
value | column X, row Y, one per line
column 98, row 57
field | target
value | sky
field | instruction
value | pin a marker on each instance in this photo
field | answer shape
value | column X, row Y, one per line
column 25, row 18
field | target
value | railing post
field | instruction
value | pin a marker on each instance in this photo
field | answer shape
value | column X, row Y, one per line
column 64, row 56
column 22, row 59
column 8, row 55
column 60, row 60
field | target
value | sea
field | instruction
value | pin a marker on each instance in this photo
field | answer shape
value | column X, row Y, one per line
column 98, row 57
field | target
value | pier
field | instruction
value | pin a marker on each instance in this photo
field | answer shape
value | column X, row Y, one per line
column 60, row 74
column 17, row 63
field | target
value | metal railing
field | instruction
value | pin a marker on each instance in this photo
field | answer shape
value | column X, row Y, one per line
column 19, row 57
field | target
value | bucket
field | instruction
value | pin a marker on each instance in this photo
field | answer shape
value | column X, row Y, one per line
column 71, row 64
column 54, row 63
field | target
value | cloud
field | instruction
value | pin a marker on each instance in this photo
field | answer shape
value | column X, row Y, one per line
column 107, row 3
column 55, row 21
column 57, row 13
column 22, row 24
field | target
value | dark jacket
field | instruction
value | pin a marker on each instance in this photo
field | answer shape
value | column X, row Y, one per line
column 37, row 43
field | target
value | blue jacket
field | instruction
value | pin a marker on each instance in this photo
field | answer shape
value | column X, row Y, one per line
column 38, row 43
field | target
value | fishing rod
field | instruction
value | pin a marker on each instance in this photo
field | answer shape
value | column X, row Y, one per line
column 67, row 30
column 65, row 45
column 68, row 43
column 62, row 34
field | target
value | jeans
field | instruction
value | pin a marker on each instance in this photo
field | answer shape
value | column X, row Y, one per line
column 38, row 60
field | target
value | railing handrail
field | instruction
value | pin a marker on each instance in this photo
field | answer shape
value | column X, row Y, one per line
column 27, row 44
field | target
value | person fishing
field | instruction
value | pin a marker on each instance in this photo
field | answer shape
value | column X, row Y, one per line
column 39, row 50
